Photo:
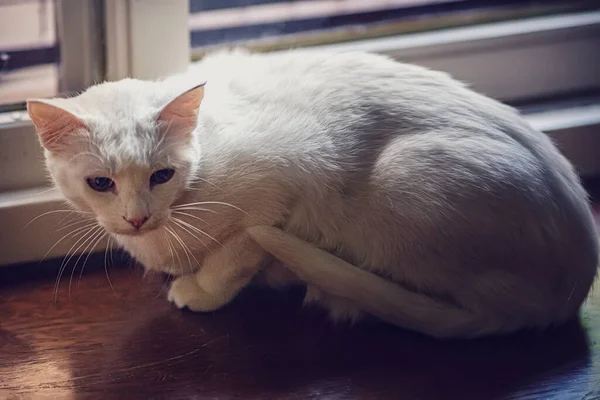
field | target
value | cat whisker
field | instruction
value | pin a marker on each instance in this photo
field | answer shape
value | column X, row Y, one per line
column 69, row 225
column 176, row 254
column 52, row 212
column 181, row 224
column 178, row 240
column 186, row 250
column 164, row 286
column 179, row 262
column 174, row 249
column 112, row 243
column 190, row 253
column 88, row 254
column 169, row 247
column 183, row 247
column 208, row 182
column 62, row 220
column 92, row 240
column 40, row 193
column 72, row 233
column 200, row 231
column 194, row 209
column 109, row 244
column 202, row 203
column 187, row 253
column 90, row 232
column 189, row 215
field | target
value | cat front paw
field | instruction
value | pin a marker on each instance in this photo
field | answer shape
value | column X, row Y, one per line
column 185, row 292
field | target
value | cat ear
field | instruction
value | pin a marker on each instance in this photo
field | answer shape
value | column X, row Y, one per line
column 54, row 125
column 180, row 116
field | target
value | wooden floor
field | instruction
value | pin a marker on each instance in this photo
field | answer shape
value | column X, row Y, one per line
column 127, row 342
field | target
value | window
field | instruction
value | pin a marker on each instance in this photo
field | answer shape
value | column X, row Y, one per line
column 275, row 24
column 28, row 51
column 512, row 50
column 48, row 47
column 272, row 21
column 539, row 55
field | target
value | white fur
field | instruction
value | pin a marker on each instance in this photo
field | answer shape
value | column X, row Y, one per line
column 473, row 220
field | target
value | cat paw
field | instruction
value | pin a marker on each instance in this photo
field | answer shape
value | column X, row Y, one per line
column 185, row 292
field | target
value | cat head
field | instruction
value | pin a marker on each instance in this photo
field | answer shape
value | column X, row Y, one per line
column 122, row 150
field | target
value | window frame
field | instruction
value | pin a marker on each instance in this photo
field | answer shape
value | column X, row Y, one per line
column 80, row 27
column 135, row 48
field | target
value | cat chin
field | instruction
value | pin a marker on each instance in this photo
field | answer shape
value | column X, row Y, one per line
column 132, row 233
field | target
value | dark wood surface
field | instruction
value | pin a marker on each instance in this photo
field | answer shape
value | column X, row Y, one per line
column 127, row 342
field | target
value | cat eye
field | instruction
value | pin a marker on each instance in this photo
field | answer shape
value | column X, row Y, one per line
column 101, row 184
column 161, row 176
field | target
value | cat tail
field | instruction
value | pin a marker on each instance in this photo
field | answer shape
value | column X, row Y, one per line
column 382, row 298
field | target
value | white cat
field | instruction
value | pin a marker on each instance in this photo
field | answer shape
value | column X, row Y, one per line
column 396, row 191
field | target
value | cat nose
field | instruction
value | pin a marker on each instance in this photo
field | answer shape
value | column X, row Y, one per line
column 136, row 222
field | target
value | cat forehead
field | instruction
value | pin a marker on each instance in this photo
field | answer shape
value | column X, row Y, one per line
column 123, row 87
column 120, row 115
column 122, row 123
column 127, row 157
column 121, row 120
column 129, row 98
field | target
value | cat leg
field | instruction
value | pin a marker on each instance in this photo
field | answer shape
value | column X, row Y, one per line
column 223, row 274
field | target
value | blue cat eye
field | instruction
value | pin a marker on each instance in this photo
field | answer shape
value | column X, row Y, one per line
column 161, row 176
column 101, row 183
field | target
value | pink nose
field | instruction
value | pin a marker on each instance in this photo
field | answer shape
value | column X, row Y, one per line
column 136, row 222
